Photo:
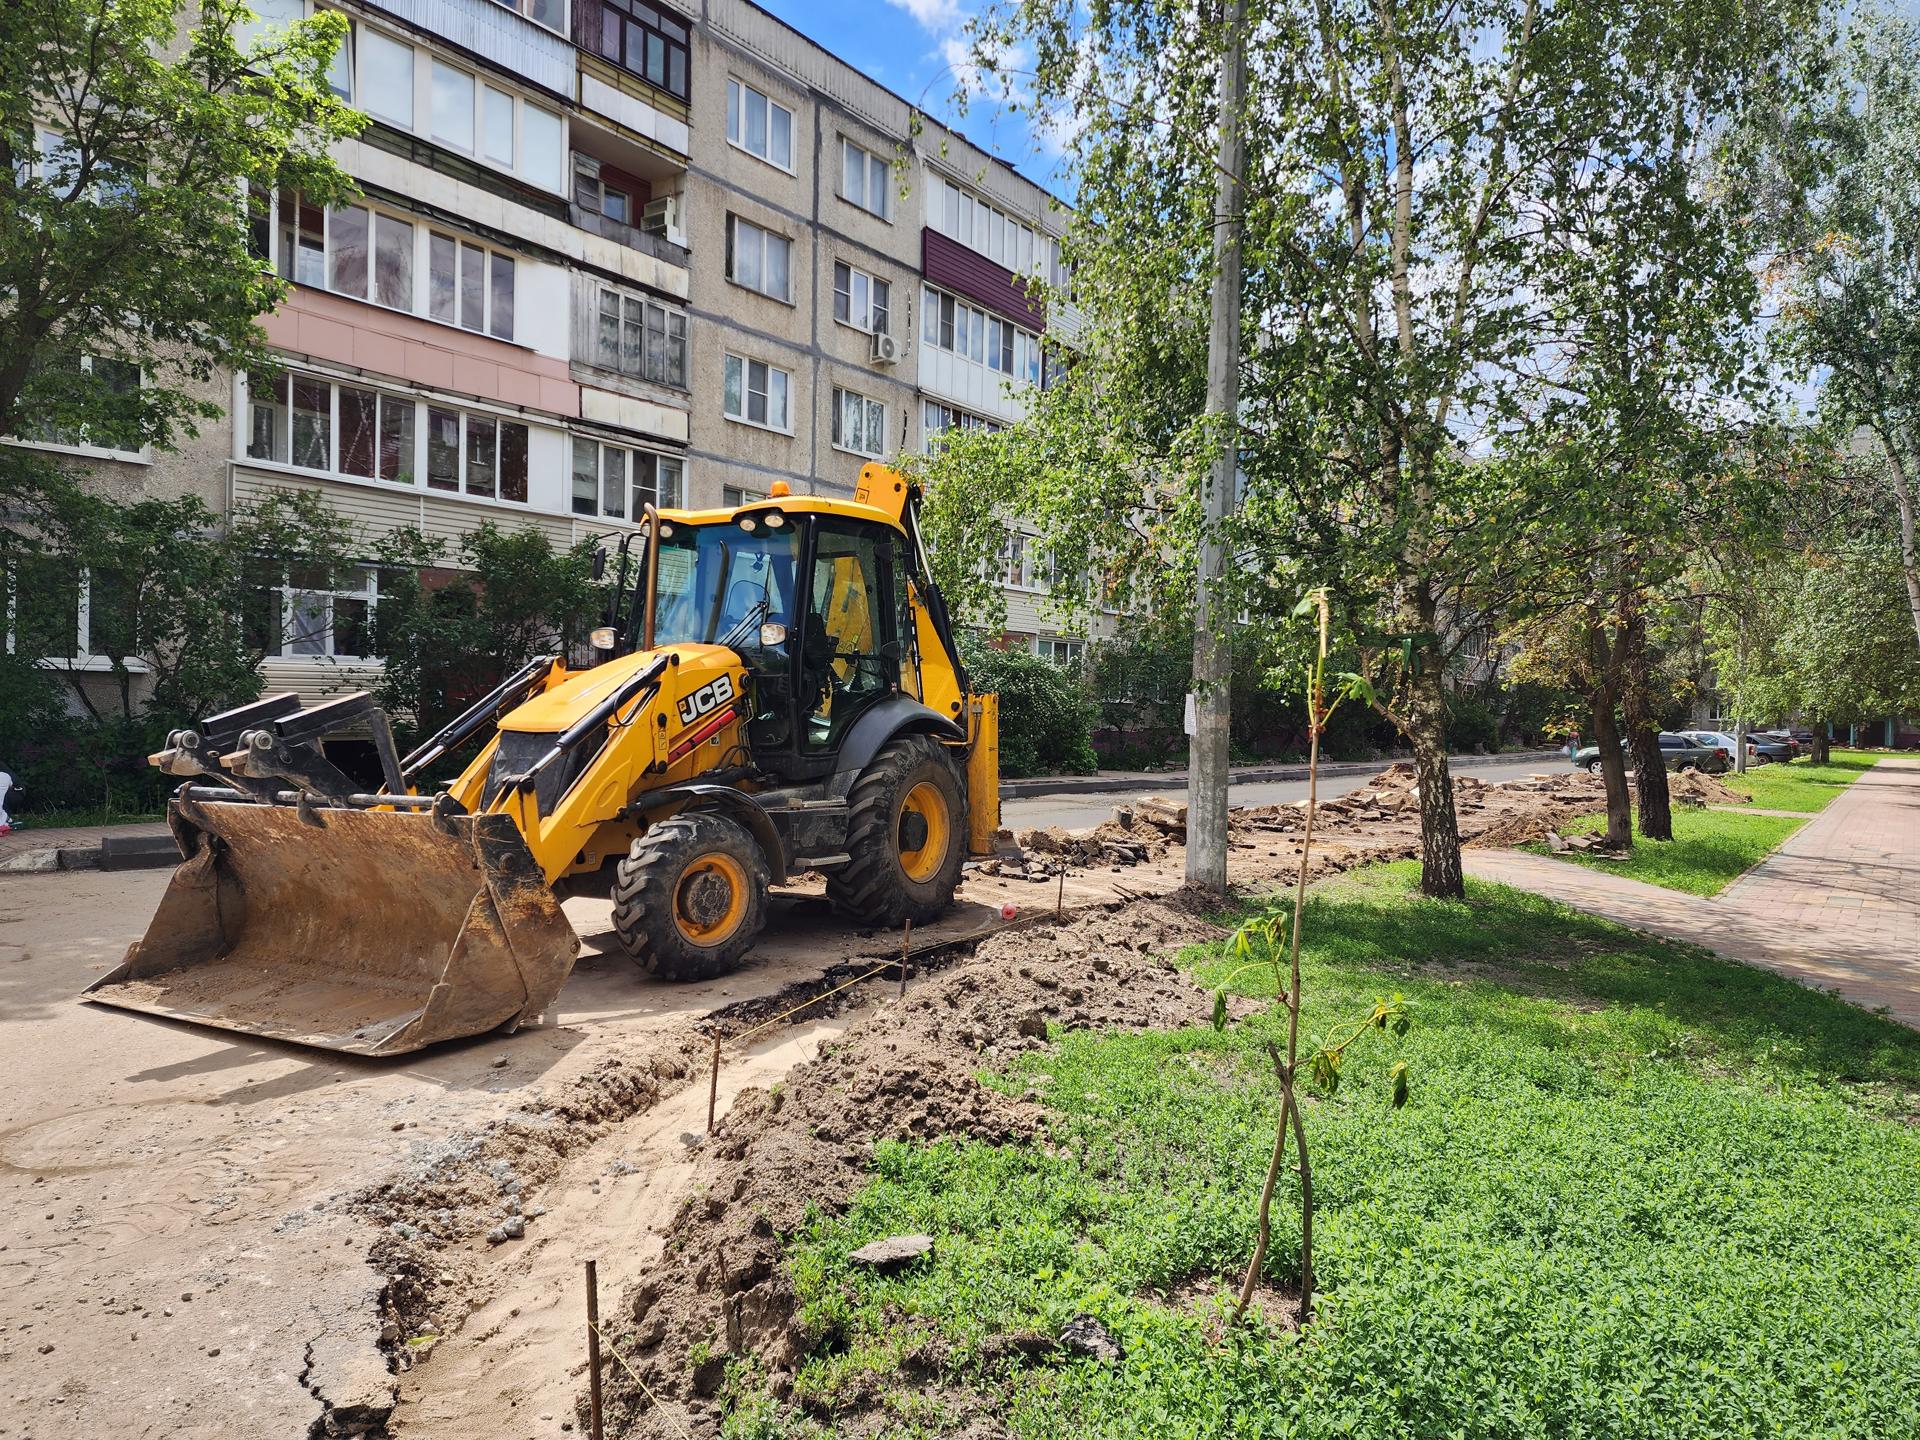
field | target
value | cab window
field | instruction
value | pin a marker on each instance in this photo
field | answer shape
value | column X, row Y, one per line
column 848, row 657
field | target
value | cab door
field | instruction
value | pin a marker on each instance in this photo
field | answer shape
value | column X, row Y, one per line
column 850, row 644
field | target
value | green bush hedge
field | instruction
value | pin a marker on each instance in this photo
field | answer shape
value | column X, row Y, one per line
column 1046, row 715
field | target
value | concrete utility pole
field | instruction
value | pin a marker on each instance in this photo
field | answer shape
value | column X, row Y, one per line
column 1207, row 764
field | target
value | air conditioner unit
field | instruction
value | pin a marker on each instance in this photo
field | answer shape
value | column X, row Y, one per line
column 662, row 217
column 886, row 348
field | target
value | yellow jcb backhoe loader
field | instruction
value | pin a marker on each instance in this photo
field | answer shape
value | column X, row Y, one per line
column 781, row 692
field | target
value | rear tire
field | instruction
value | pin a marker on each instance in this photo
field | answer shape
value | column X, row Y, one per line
column 906, row 834
column 690, row 898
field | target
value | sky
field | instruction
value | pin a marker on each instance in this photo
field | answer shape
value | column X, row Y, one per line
column 917, row 49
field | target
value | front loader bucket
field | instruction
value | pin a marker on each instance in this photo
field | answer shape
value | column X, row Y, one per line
column 371, row 931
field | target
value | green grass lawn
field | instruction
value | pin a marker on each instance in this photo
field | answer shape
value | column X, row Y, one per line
column 1710, row 849
column 1801, row 785
column 1638, row 1192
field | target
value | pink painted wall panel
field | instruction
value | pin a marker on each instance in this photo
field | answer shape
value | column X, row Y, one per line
column 967, row 273
column 346, row 332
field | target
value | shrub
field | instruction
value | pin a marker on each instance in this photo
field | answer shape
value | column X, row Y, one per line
column 1471, row 726
column 1046, row 715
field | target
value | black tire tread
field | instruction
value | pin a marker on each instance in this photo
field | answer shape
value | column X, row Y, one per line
column 643, row 887
column 871, row 888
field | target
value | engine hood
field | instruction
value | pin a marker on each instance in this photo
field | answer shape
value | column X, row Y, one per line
column 553, row 710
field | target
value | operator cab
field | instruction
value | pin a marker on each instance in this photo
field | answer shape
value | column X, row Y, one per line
column 816, row 604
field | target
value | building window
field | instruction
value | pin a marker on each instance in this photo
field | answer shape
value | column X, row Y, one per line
column 619, row 482
column 758, row 125
column 45, row 602
column 550, row 14
column 758, row 259
column 1067, row 654
column 732, row 497
column 980, row 336
column 859, row 424
column 937, row 419
column 111, row 386
column 1022, row 571
column 979, row 226
column 644, row 40
column 372, row 255
column 386, row 78
column 593, row 194
column 866, row 180
column 641, row 338
column 469, row 286
column 757, row 393
column 350, row 430
column 861, row 300
column 310, row 614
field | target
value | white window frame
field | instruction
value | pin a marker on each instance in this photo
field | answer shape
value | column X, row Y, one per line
column 844, row 403
column 763, row 241
column 551, row 173
column 423, row 232
column 83, row 659
column 742, row 417
column 852, row 155
column 287, row 590
column 952, row 417
column 140, row 456
column 1021, row 568
column 732, row 497
column 855, row 320
column 973, row 322
column 1010, row 242
column 1066, row 651
column 421, row 404
column 738, row 92
column 666, row 493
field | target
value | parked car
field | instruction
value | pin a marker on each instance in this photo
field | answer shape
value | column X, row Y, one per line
column 1761, row 748
column 1680, row 752
column 1789, row 738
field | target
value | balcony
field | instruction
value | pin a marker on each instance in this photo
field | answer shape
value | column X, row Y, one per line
column 499, row 32
column 654, row 242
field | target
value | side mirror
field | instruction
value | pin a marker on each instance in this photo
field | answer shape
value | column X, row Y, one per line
column 600, row 563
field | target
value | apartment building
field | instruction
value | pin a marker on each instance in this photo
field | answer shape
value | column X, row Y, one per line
column 610, row 253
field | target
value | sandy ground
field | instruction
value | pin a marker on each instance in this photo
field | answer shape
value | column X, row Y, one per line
column 184, row 1247
column 174, row 1254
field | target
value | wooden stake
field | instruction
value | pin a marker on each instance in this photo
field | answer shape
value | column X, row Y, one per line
column 906, row 941
column 1060, row 897
column 593, row 1352
column 713, row 1085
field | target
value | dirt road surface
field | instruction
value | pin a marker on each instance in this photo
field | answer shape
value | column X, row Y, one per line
column 189, row 1217
column 175, row 1249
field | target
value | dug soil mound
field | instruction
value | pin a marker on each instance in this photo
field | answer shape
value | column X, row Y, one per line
column 721, row 1292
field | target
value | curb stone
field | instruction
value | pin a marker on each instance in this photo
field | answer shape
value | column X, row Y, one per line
column 1244, row 775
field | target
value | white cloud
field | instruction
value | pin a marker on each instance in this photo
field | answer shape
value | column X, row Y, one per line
column 937, row 16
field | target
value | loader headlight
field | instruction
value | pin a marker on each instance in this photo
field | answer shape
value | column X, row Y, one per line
column 775, row 519
column 601, row 637
column 749, row 524
column 772, row 636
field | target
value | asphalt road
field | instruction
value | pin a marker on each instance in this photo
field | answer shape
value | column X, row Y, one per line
column 1081, row 811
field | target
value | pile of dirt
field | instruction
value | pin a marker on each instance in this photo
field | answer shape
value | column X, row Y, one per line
column 481, row 1184
column 1701, row 788
column 721, row 1292
column 1044, row 853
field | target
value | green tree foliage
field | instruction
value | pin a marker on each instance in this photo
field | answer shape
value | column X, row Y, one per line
column 1844, row 180
column 124, row 236
column 448, row 635
column 1421, row 183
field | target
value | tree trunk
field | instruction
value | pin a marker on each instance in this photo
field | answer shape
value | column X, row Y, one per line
column 1613, row 769
column 1643, row 738
column 1822, row 747
column 1441, row 875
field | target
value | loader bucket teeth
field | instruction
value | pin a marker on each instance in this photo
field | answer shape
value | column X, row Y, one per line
column 378, row 932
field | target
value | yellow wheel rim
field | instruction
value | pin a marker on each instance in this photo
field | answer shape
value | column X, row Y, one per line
column 710, row 901
column 923, row 861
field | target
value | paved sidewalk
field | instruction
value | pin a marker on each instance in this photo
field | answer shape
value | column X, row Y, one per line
column 1836, row 907
column 32, row 847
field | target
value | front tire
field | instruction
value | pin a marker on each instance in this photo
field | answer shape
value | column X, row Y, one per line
column 690, row 898
column 1593, row 767
column 906, row 835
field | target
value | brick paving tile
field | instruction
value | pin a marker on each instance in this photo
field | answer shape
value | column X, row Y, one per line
column 1837, row 906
